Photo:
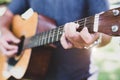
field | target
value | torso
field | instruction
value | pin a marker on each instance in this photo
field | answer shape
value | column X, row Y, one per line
column 64, row 10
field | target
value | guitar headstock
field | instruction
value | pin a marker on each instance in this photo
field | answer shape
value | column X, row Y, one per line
column 109, row 22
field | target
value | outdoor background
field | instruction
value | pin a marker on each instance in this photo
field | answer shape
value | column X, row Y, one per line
column 106, row 58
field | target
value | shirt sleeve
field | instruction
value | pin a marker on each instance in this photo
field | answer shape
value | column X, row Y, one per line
column 18, row 6
column 97, row 6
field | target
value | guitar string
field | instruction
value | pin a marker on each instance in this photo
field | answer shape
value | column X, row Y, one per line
column 42, row 39
column 60, row 30
column 81, row 23
column 51, row 36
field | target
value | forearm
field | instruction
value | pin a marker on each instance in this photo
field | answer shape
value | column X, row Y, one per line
column 6, row 19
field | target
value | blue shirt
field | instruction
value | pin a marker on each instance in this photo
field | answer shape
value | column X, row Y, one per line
column 71, row 64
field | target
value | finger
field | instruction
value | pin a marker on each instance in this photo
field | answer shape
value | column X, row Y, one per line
column 86, row 36
column 8, row 53
column 65, row 43
column 95, row 36
column 70, row 29
column 8, row 46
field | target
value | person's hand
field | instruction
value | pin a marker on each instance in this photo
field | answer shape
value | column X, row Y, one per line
column 6, row 37
column 72, row 38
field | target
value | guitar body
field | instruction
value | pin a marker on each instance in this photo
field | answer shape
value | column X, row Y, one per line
column 39, row 62
column 33, row 63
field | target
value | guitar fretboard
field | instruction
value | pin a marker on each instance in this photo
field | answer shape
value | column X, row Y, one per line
column 55, row 34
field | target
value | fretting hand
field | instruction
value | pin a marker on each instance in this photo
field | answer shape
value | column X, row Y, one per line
column 72, row 38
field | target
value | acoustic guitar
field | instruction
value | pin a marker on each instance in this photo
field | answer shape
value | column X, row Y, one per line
column 16, row 67
column 33, row 58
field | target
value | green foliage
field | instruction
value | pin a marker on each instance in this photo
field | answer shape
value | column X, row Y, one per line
column 4, row 1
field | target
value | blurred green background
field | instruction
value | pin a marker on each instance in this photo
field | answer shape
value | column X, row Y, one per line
column 106, row 58
column 4, row 1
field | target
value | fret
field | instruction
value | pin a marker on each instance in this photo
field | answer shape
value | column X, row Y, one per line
column 49, row 36
column 57, row 34
column 42, row 38
column 53, row 35
column 39, row 42
column 45, row 37
column 85, row 21
column 55, row 31
column 60, row 32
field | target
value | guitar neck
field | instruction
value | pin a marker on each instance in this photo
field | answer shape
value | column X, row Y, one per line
column 44, row 38
column 54, row 34
column 107, row 22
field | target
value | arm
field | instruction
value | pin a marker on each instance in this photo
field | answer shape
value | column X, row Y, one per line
column 6, row 35
column 15, row 7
